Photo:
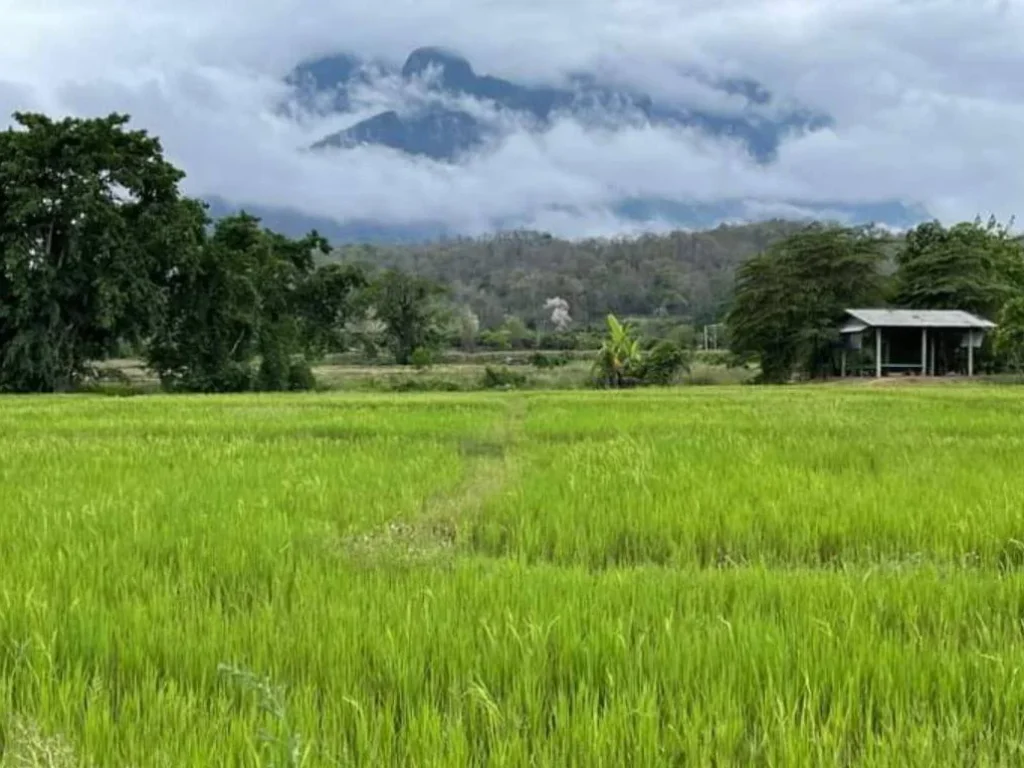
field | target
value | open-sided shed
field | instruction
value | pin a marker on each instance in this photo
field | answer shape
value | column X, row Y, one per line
column 910, row 340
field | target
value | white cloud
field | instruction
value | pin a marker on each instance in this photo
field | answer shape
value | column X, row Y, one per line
column 926, row 94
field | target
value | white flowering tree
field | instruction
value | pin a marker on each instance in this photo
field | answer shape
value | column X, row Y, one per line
column 559, row 309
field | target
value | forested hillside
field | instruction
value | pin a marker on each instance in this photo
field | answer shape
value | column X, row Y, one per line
column 688, row 274
column 102, row 256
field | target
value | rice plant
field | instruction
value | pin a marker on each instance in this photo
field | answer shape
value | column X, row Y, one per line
column 731, row 576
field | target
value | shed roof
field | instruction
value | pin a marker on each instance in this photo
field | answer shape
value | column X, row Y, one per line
column 913, row 318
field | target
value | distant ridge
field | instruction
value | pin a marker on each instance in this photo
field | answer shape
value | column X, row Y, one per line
column 436, row 106
column 437, row 130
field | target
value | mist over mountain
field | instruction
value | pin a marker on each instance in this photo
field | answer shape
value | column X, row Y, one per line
column 436, row 107
column 396, row 121
column 431, row 121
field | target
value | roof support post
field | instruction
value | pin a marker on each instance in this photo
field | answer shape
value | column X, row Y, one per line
column 878, row 353
column 924, row 351
column 970, row 352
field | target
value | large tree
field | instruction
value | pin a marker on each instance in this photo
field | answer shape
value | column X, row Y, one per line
column 410, row 309
column 971, row 266
column 91, row 224
column 329, row 301
column 790, row 298
column 1009, row 336
column 238, row 298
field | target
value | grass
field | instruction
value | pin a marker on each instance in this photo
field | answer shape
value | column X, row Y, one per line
column 455, row 372
column 730, row 576
column 448, row 377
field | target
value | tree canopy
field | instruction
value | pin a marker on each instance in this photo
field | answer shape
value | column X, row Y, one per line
column 244, row 294
column 91, row 224
column 688, row 275
column 100, row 249
column 971, row 266
column 409, row 308
column 1009, row 338
column 790, row 298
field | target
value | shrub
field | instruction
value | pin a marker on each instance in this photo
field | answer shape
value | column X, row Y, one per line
column 715, row 357
column 540, row 360
column 300, row 376
column 231, row 377
column 502, row 378
column 421, row 358
column 272, row 375
column 565, row 341
column 663, row 363
column 495, row 339
column 420, row 384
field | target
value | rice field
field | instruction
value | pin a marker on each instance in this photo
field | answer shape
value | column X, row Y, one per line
column 723, row 576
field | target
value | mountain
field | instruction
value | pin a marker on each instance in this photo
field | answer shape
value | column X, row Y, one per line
column 296, row 223
column 441, row 134
column 678, row 216
column 330, row 76
column 436, row 106
column 436, row 127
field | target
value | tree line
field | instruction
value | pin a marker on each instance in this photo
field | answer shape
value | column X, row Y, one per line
column 508, row 278
column 790, row 299
column 101, row 252
column 102, row 255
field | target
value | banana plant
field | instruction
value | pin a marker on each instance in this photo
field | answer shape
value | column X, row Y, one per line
column 619, row 356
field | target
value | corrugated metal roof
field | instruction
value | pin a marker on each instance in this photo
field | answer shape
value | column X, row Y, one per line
column 919, row 318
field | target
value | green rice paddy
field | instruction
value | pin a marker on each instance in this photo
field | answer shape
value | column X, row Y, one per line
column 723, row 576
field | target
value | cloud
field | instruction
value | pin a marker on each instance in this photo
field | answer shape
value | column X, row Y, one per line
column 927, row 101
column 16, row 97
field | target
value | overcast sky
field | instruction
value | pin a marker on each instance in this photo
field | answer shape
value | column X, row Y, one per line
column 928, row 98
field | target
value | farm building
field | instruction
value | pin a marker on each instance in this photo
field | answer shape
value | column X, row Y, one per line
column 927, row 342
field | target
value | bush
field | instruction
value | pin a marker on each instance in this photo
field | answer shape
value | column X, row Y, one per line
column 495, row 339
column 234, row 377
column 272, row 375
column 231, row 377
column 285, row 374
column 715, row 357
column 715, row 375
column 663, row 363
column 421, row 358
column 420, row 384
column 502, row 378
column 300, row 376
column 540, row 360
column 569, row 340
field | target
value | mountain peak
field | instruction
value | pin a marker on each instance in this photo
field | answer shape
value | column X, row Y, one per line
column 456, row 71
column 325, row 73
column 430, row 125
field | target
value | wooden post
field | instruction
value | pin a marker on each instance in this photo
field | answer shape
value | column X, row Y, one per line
column 878, row 353
column 842, row 364
column 970, row 352
column 932, row 365
column 924, row 351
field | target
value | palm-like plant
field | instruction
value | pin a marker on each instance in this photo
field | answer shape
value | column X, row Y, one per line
column 619, row 356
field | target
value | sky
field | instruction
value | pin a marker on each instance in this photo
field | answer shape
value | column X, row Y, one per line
column 927, row 98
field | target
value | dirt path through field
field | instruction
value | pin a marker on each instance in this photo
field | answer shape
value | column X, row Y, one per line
column 491, row 464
